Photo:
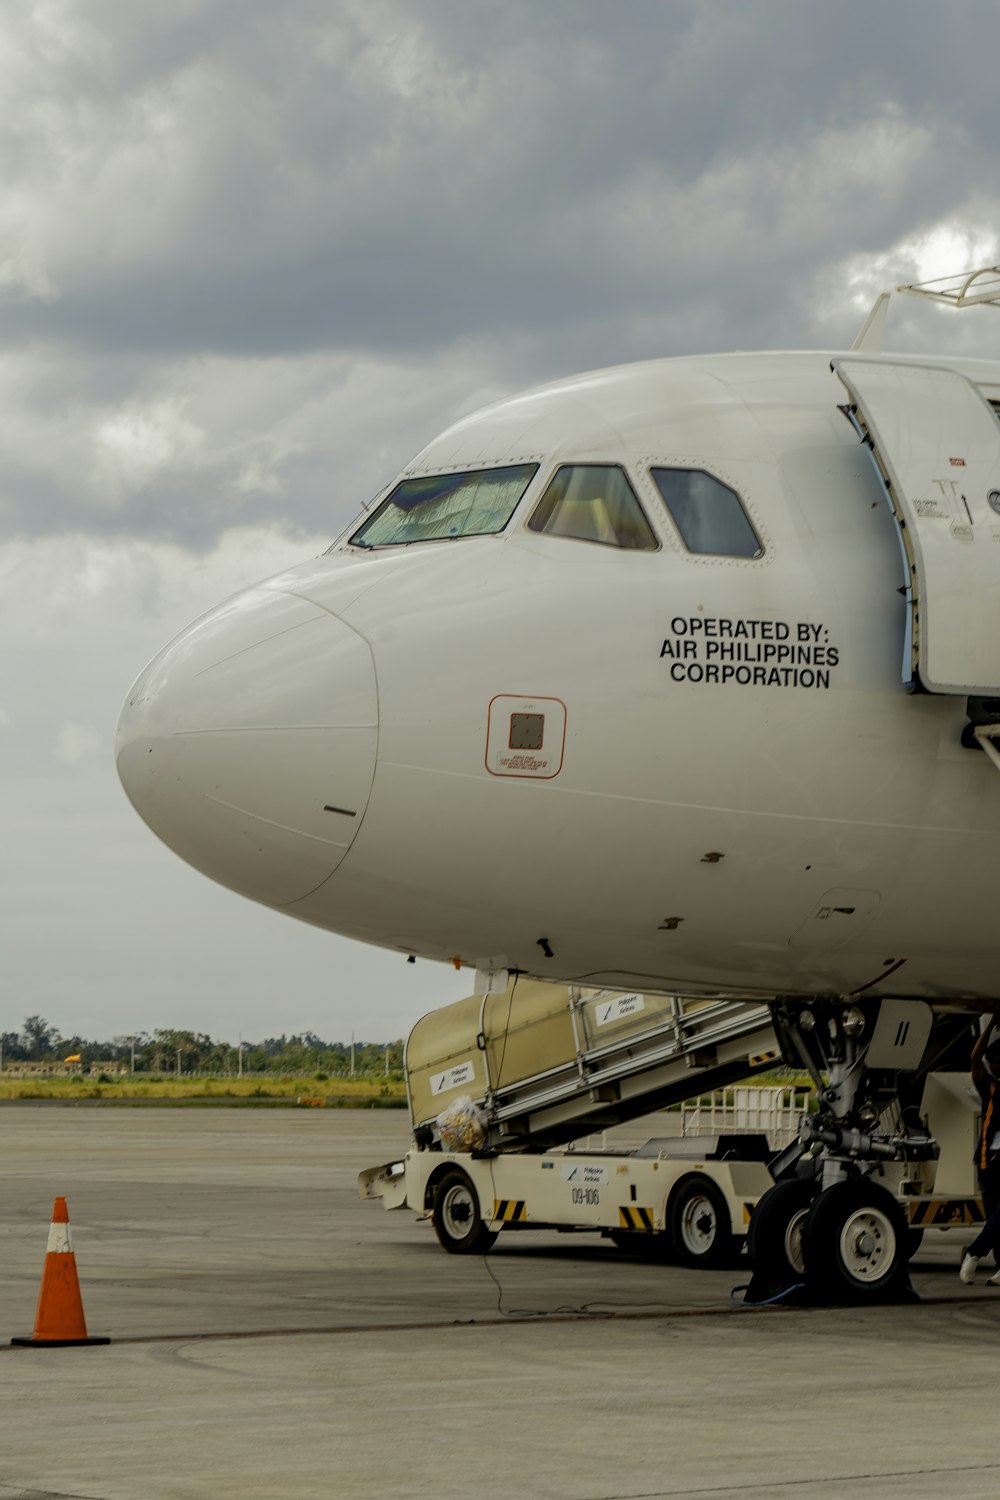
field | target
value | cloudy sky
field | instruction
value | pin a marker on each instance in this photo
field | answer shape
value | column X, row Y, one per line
column 253, row 256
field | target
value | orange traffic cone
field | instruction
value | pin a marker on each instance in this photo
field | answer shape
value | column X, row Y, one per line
column 59, row 1319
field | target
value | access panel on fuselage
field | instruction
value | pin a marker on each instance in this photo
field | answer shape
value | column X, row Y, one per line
column 937, row 441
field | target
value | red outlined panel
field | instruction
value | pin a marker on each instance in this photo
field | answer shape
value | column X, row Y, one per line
column 525, row 737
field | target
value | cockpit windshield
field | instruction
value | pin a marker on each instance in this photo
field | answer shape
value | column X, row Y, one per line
column 443, row 506
column 593, row 503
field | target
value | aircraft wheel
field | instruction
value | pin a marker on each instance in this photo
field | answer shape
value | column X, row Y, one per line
column 856, row 1243
column 700, row 1228
column 457, row 1217
column 774, row 1240
column 914, row 1239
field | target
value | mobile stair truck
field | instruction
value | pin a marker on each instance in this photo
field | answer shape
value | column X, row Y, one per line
column 505, row 1090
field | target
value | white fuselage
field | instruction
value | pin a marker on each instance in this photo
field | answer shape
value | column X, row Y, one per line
column 743, row 794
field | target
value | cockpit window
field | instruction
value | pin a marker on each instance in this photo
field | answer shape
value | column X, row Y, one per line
column 707, row 513
column 593, row 503
column 443, row 506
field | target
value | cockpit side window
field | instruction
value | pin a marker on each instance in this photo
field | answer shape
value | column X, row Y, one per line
column 593, row 503
column 441, row 507
column 707, row 513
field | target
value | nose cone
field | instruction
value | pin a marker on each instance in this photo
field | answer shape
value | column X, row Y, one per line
column 248, row 745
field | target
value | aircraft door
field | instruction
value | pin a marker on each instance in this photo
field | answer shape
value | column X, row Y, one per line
column 936, row 442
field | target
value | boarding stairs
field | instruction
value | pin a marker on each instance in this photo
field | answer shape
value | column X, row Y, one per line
column 692, row 1046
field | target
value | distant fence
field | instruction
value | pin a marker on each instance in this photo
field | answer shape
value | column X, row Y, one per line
column 120, row 1074
column 371, row 1073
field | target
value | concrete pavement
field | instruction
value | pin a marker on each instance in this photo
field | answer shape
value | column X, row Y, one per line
column 275, row 1336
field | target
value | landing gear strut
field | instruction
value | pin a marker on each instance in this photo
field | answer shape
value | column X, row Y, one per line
column 828, row 1231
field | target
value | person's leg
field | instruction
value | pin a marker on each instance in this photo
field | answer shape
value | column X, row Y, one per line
column 988, row 1238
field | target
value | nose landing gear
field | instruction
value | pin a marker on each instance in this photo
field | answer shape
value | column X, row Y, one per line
column 827, row 1232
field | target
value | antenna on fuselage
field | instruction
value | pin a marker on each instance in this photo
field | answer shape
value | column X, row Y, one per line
column 873, row 328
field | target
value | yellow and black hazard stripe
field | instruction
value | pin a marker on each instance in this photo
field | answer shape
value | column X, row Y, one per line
column 636, row 1218
column 755, row 1059
column 942, row 1211
column 510, row 1210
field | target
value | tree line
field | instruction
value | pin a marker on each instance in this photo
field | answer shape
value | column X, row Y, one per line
column 170, row 1050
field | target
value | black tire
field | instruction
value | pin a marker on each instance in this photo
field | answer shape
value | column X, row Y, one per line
column 701, row 1232
column 914, row 1239
column 856, row 1244
column 774, row 1240
column 457, row 1217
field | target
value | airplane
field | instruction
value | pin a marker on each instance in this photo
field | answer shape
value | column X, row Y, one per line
column 680, row 676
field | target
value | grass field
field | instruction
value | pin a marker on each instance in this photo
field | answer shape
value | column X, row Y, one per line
column 317, row 1091
column 332, row 1093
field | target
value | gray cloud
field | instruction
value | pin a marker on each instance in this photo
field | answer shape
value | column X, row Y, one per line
column 460, row 196
column 252, row 182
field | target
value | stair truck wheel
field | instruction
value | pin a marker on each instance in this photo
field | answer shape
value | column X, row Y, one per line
column 774, row 1240
column 457, row 1217
column 855, row 1241
column 701, row 1232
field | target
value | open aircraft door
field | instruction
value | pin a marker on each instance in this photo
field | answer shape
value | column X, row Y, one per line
column 936, row 442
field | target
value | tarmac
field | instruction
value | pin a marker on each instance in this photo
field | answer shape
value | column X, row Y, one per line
column 273, row 1335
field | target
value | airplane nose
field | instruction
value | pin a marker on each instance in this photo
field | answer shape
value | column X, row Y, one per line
column 248, row 745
